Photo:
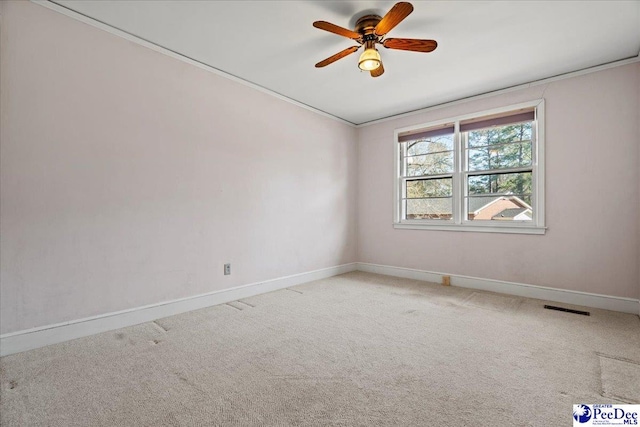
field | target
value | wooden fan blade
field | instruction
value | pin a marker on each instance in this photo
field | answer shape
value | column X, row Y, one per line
column 378, row 71
column 398, row 12
column 414, row 45
column 328, row 26
column 339, row 55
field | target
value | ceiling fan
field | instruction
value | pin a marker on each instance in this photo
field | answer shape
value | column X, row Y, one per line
column 369, row 31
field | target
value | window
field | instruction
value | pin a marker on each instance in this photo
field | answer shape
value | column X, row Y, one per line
column 480, row 172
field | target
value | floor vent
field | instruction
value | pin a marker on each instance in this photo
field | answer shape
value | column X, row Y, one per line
column 568, row 310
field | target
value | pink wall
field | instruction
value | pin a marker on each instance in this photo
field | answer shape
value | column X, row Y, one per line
column 592, row 201
column 130, row 178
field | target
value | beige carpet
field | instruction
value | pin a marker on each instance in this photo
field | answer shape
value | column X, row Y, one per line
column 357, row 349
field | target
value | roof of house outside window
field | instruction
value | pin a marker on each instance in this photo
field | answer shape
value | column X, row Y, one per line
column 510, row 213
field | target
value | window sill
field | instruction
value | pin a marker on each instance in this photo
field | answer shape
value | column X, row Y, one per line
column 473, row 228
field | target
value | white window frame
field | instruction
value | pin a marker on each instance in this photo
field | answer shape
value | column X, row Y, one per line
column 459, row 221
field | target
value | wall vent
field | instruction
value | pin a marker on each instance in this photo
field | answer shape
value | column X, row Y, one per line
column 567, row 310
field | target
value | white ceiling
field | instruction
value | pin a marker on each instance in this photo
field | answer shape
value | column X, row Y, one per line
column 483, row 45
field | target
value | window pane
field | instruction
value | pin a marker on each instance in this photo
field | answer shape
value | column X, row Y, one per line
column 499, row 208
column 503, row 183
column 500, row 134
column 430, row 145
column 424, row 188
column 511, row 155
column 435, row 208
column 430, row 164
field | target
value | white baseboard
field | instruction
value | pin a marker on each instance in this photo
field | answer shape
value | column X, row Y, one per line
column 606, row 302
column 29, row 339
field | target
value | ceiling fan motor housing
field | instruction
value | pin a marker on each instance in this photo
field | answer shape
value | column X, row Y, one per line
column 366, row 26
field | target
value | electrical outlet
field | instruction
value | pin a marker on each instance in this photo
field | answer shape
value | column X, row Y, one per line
column 227, row 269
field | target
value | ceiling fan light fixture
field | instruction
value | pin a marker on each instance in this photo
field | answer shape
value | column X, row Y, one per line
column 369, row 60
column 371, row 30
